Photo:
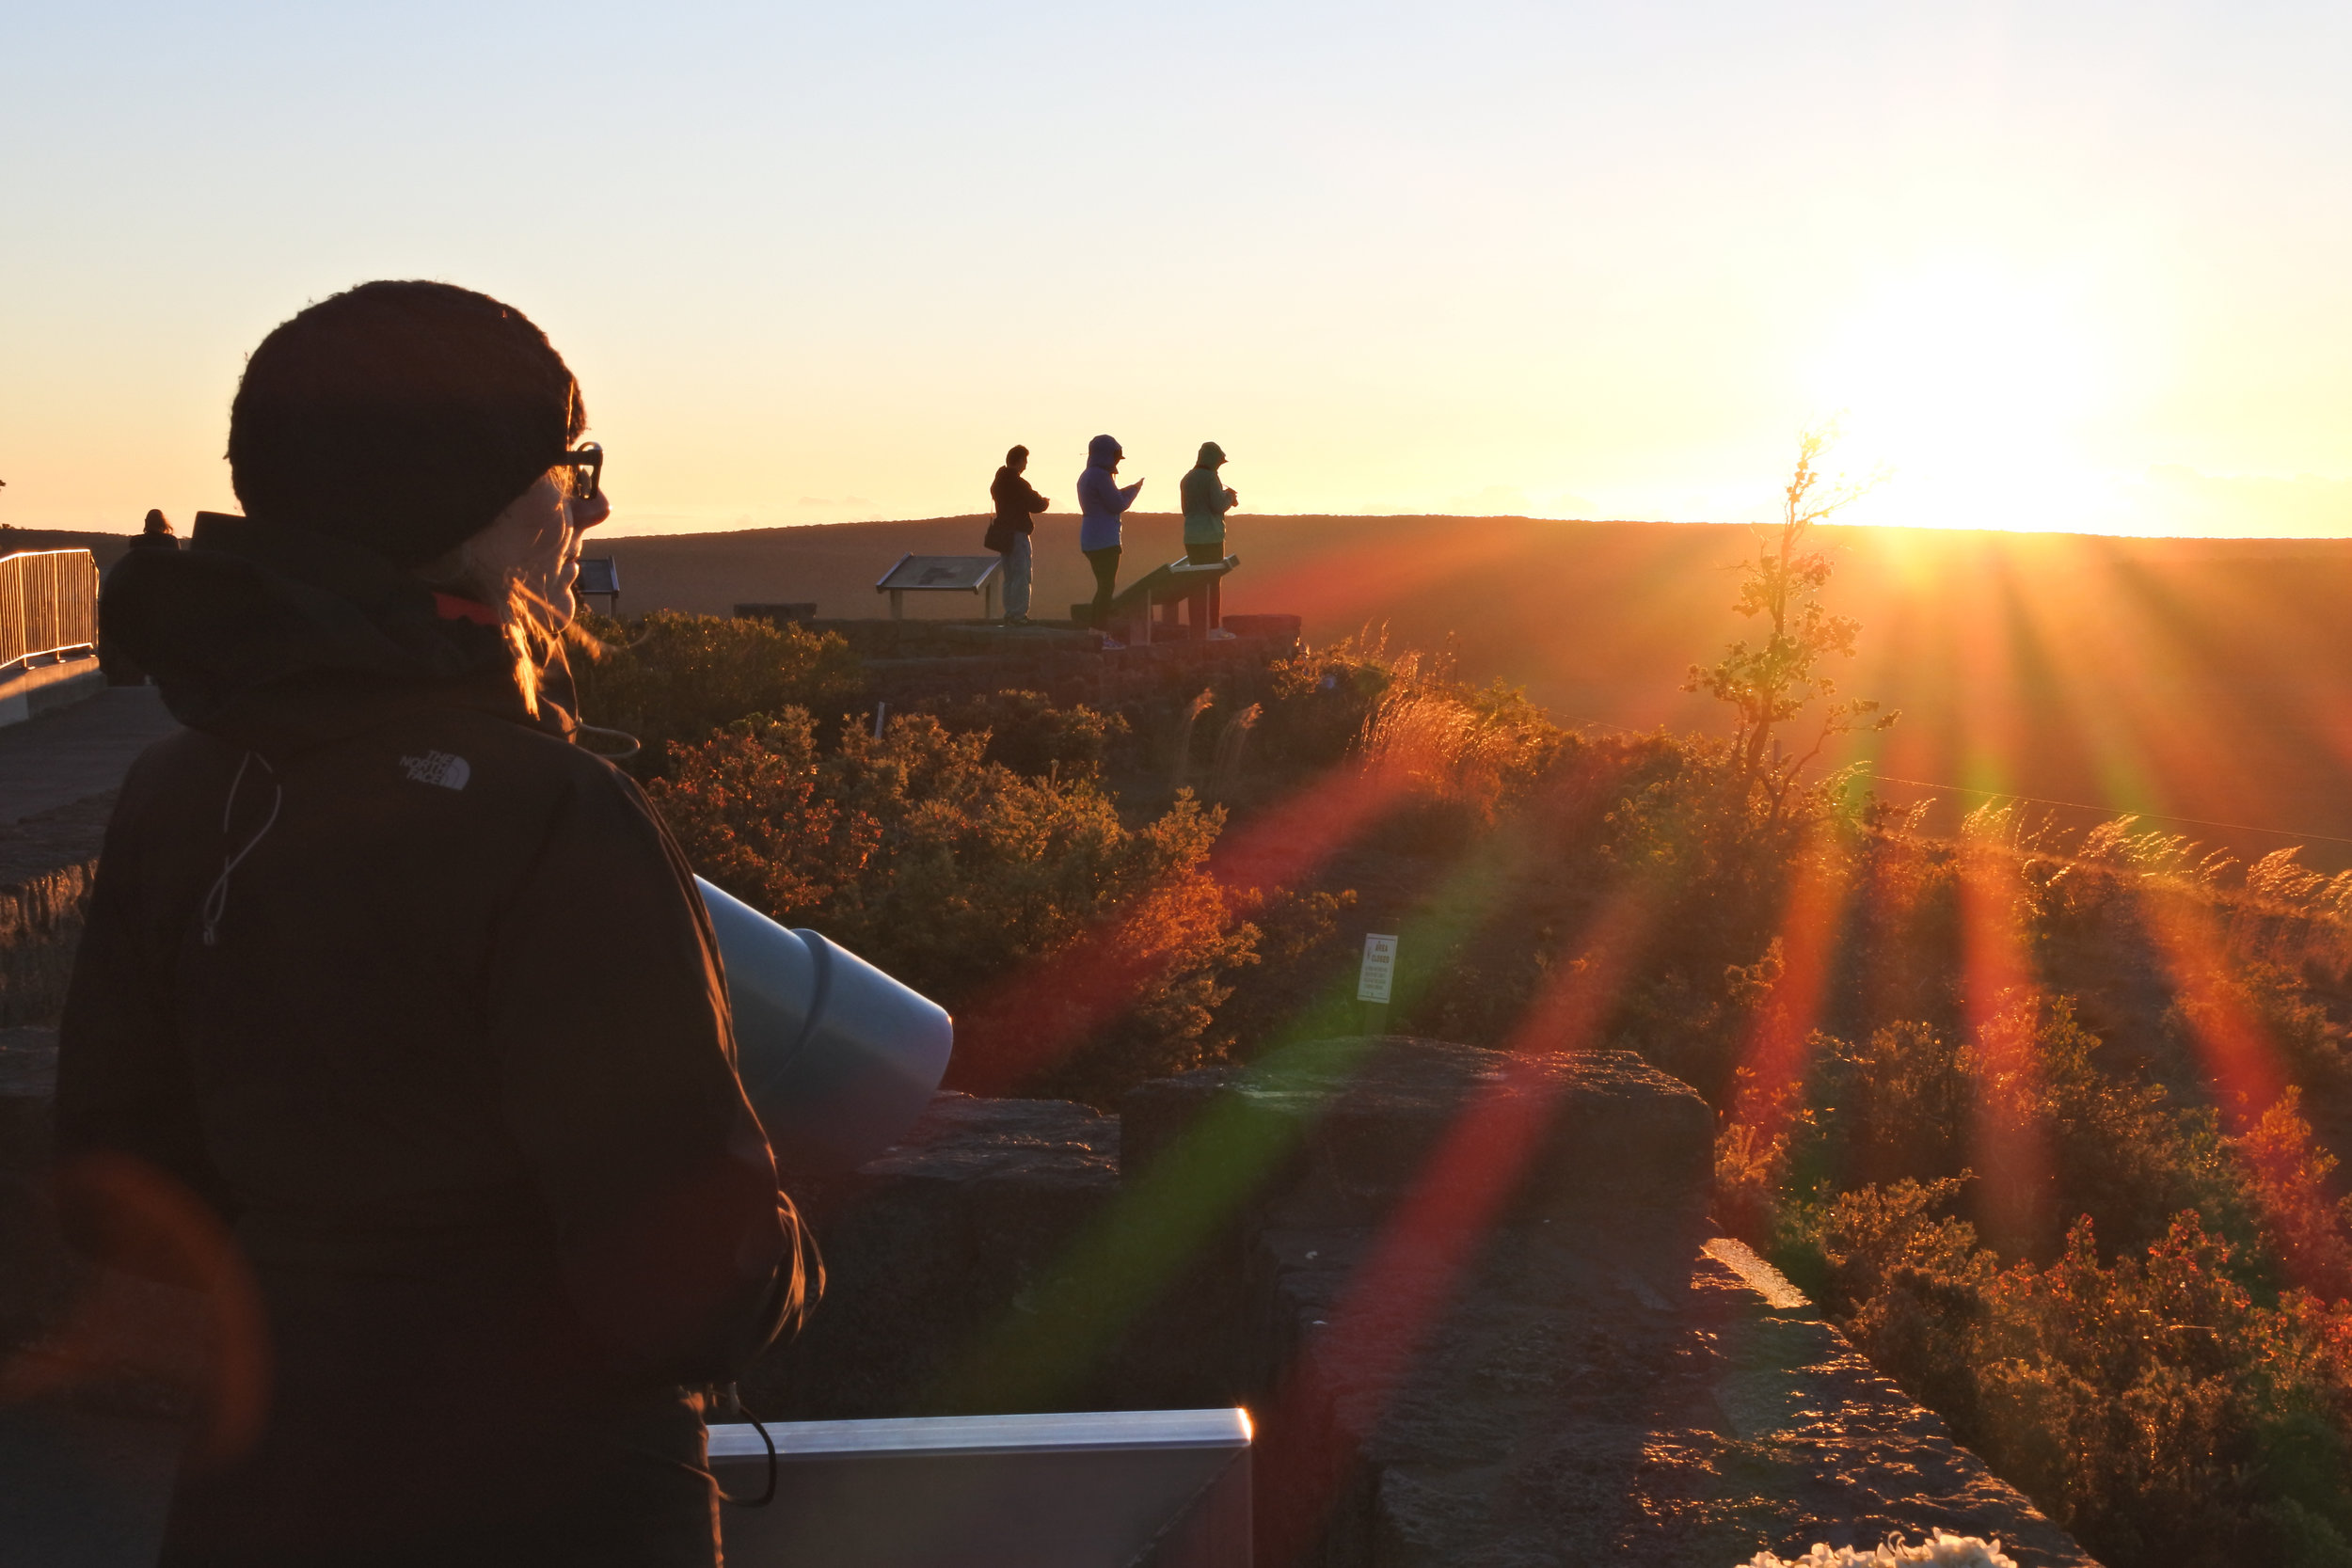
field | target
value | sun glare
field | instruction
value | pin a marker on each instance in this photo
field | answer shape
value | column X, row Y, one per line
column 1967, row 385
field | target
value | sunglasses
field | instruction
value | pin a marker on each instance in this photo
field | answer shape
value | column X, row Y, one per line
column 587, row 466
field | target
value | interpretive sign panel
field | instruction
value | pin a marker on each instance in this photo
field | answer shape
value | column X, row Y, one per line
column 1380, row 971
column 942, row 573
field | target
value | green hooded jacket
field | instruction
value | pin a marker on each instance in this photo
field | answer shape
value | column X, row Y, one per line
column 1204, row 499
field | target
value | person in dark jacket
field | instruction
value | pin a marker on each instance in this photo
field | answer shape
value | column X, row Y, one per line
column 1017, row 503
column 413, row 998
column 156, row 533
column 1102, row 502
column 1207, row 499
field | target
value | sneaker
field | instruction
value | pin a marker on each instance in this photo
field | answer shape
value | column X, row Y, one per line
column 1112, row 644
column 1218, row 634
column 1016, row 620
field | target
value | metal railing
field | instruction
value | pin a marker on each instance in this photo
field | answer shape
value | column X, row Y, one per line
column 48, row 604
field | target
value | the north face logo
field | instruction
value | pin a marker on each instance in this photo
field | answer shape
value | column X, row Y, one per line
column 438, row 768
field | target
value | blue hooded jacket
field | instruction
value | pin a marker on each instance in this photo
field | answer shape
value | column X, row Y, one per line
column 1100, row 498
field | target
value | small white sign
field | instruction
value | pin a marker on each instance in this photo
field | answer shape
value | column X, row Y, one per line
column 1380, row 971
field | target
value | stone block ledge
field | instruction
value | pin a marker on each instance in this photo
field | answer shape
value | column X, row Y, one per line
column 28, row 690
column 1563, row 1366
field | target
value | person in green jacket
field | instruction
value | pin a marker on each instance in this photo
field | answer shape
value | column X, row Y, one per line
column 1206, row 500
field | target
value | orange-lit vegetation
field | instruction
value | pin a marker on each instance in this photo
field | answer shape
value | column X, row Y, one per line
column 1770, row 684
column 2048, row 1121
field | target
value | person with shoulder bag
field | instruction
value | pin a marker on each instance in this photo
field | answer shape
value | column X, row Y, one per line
column 1017, row 505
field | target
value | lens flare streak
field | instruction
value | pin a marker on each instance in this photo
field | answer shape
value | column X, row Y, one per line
column 1344, row 1379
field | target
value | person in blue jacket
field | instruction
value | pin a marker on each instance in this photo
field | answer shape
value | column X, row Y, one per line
column 1101, row 502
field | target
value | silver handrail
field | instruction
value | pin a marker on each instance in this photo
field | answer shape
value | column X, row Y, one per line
column 48, row 604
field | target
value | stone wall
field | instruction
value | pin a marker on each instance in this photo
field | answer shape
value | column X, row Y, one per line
column 1472, row 1302
column 46, row 867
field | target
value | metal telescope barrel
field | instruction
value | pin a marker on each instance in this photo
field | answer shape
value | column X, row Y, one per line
column 838, row 1057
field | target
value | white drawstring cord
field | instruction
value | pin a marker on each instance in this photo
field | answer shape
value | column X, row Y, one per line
column 217, row 898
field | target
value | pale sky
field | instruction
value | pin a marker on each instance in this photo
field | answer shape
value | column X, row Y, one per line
column 2061, row 264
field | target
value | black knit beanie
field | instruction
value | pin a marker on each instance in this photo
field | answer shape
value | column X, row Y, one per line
column 402, row 416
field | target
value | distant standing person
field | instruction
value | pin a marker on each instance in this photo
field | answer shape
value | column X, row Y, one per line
column 1101, row 502
column 1206, row 501
column 1017, row 501
column 155, row 534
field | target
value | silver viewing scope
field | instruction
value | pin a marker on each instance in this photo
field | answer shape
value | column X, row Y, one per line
column 837, row 1057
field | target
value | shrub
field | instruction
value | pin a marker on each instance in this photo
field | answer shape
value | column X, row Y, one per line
column 670, row 678
column 1028, row 734
column 1090, row 954
column 2306, row 1230
column 2152, row 1404
column 1915, row 1103
column 1471, row 749
column 1318, row 699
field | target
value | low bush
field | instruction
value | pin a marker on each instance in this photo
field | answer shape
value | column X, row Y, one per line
column 1947, row 1070
column 1318, row 700
column 1034, row 738
column 1082, row 956
column 2151, row 1403
column 669, row 678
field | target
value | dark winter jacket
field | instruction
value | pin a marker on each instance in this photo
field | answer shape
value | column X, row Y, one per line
column 420, row 999
column 1016, row 501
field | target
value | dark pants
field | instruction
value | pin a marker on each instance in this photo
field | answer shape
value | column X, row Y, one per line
column 1106, row 564
column 1208, row 554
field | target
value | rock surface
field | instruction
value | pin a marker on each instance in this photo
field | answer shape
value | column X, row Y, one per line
column 929, row 1246
column 1567, row 1411
column 1472, row 1300
column 1349, row 1128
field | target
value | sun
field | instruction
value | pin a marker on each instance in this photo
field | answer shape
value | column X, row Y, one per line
column 1969, row 383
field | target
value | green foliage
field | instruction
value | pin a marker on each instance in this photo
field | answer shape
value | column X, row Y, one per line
column 1034, row 738
column 1300, row 953
column 1318, row 700
column 2185, row 1397
column 969, row 880
column 2305, row 1229
column 1912, row 1102
column 668, row 677
column 1472, row 750
column 1769, row 685
column 2151, row 1402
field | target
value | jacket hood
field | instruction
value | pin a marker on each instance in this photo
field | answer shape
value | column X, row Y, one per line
column 1103, row 452
column 1211, row 454
column 267, row 634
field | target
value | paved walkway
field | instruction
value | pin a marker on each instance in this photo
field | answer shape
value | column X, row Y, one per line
column 78, row 752
column 83, row 1491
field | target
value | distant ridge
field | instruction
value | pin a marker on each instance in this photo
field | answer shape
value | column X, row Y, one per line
column 2210, row 678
